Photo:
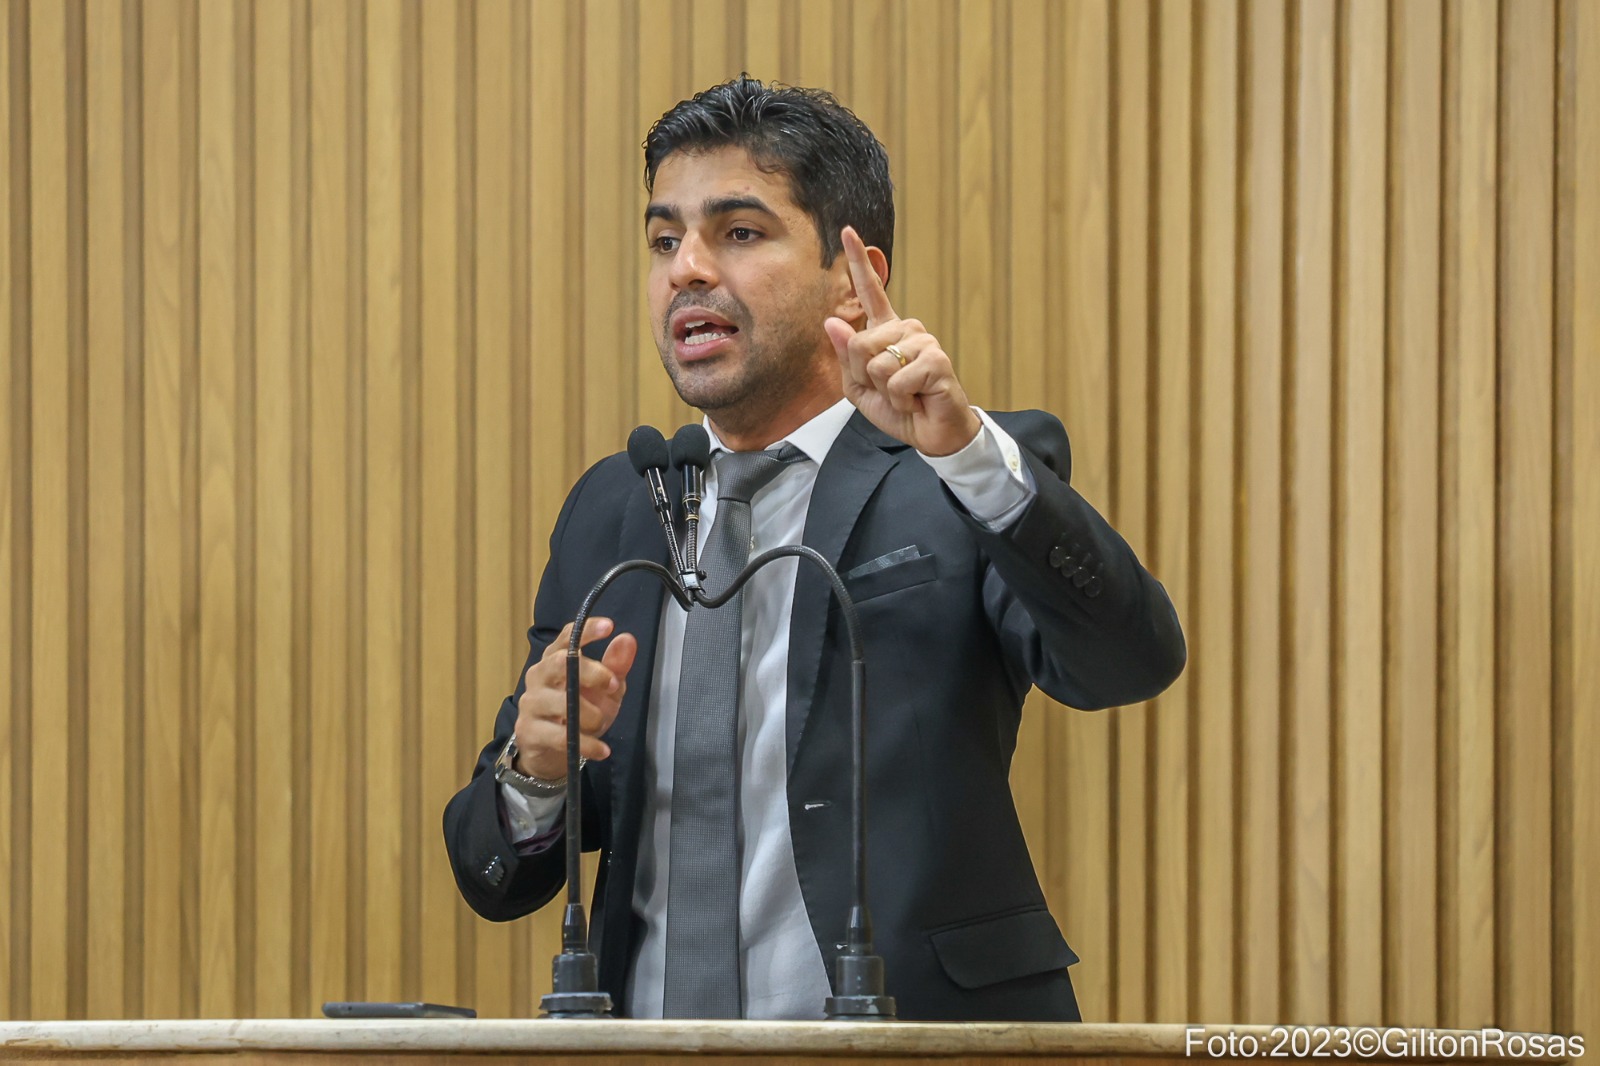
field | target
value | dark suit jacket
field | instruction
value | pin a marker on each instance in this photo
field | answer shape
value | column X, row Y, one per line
column 957, row 629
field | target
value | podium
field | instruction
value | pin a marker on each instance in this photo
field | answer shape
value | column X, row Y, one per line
column 494, row 1041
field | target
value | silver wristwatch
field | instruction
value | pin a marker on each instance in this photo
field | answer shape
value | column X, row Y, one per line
column 505, row 772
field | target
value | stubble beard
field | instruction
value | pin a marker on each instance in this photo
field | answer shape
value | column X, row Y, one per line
column 775, row 370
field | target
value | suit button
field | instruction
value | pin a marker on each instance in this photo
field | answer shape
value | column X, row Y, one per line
column 1092, row 588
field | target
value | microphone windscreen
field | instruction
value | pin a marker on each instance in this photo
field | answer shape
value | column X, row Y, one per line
column 647, row 449
column 691, row 446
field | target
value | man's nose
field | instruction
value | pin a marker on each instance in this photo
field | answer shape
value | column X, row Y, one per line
column 693, row 264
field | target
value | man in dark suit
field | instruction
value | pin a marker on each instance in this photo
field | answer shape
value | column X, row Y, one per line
column 977, row 571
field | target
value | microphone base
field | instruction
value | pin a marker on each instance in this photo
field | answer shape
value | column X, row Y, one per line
column 859, row 1008
column 858, row 977
column 576, row 1005
column 575, row 988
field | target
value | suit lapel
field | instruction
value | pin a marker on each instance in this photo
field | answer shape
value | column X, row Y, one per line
column 855, row 466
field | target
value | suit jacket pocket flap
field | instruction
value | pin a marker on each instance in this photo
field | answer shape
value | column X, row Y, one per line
column 1002, row 949
column 890, row 573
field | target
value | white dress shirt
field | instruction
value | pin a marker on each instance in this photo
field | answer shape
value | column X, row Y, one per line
column 783, row 971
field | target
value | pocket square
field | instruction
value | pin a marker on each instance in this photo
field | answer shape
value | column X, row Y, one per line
column 883, row 562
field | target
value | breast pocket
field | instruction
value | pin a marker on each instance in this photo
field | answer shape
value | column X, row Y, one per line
column 902, row 568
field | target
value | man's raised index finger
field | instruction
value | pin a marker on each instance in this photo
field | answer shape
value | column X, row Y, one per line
column 868, row 286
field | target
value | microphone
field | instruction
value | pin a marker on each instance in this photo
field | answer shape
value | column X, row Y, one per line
column 691, row 454
column 647, row 451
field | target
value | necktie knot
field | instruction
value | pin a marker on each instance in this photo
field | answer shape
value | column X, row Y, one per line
column 740, row 475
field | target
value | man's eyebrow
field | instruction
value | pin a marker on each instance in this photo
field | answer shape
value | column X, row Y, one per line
column 727, row 205
column 665, row 212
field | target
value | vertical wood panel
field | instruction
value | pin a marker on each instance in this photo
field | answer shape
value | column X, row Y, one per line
column 164, row 442
column 11, row 305
column 498, row 617
column 109, row 502
column 1527, row 220
column 189, row 530
column 1210, row 626
column 468, row 733
column 1411, row 504
column 659, row 405
column 1079, row 389
column 134, row 327
column 219, row 555
column 877, row 28
column 1172, row 470
column 330, row 313
column 1027, row 88
column 555, row 378
column 49, row 420
column 1309, row 514
column 709, row 59
column 1357, row 973
column 815, row 52
column 1561, row 769
column 1581, row 29
column 417, row 806
column 609, row 170
column 1130, row 469
column 275, row 499
column 1467, row 684
column 924, row 222
column 1261, row 684
column 763, row 32
column 77, row 476
column 440, row 547
column 385, row 765
column 972, row 322
column 300, row 716
column 356, row 346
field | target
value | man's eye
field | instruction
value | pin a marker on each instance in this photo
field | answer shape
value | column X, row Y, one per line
column 664, row 244
column 743, row 233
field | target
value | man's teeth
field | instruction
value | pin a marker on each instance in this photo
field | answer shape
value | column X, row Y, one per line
column 707, row 337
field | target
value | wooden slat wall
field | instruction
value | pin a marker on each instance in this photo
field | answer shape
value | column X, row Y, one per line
column 299, row 296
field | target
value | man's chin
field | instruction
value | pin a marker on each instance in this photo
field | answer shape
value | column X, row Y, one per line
column 701, row 386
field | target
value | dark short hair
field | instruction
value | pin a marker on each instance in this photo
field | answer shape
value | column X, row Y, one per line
column 838, row 171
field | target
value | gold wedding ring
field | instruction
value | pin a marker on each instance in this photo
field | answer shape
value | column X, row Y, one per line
column 895, row 351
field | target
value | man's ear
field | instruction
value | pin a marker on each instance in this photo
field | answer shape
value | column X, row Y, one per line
column 849, row 307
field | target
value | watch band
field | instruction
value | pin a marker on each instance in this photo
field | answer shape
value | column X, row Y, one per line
column 506, row 773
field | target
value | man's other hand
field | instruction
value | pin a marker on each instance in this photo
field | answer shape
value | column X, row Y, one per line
column 914, row 397
column 541, row 728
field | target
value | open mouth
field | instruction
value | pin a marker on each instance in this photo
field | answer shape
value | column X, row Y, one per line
column 697, row 330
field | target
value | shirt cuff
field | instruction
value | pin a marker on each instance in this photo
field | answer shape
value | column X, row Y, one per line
column 988, row 476
column 532, row 823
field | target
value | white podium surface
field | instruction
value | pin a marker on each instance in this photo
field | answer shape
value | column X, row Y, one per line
column 494, row 1040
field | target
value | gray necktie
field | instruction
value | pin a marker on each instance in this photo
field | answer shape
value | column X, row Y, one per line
column 703, row 960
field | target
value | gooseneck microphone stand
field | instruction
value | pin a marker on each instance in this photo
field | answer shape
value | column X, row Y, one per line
column 575, row 986
column 858, row 973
